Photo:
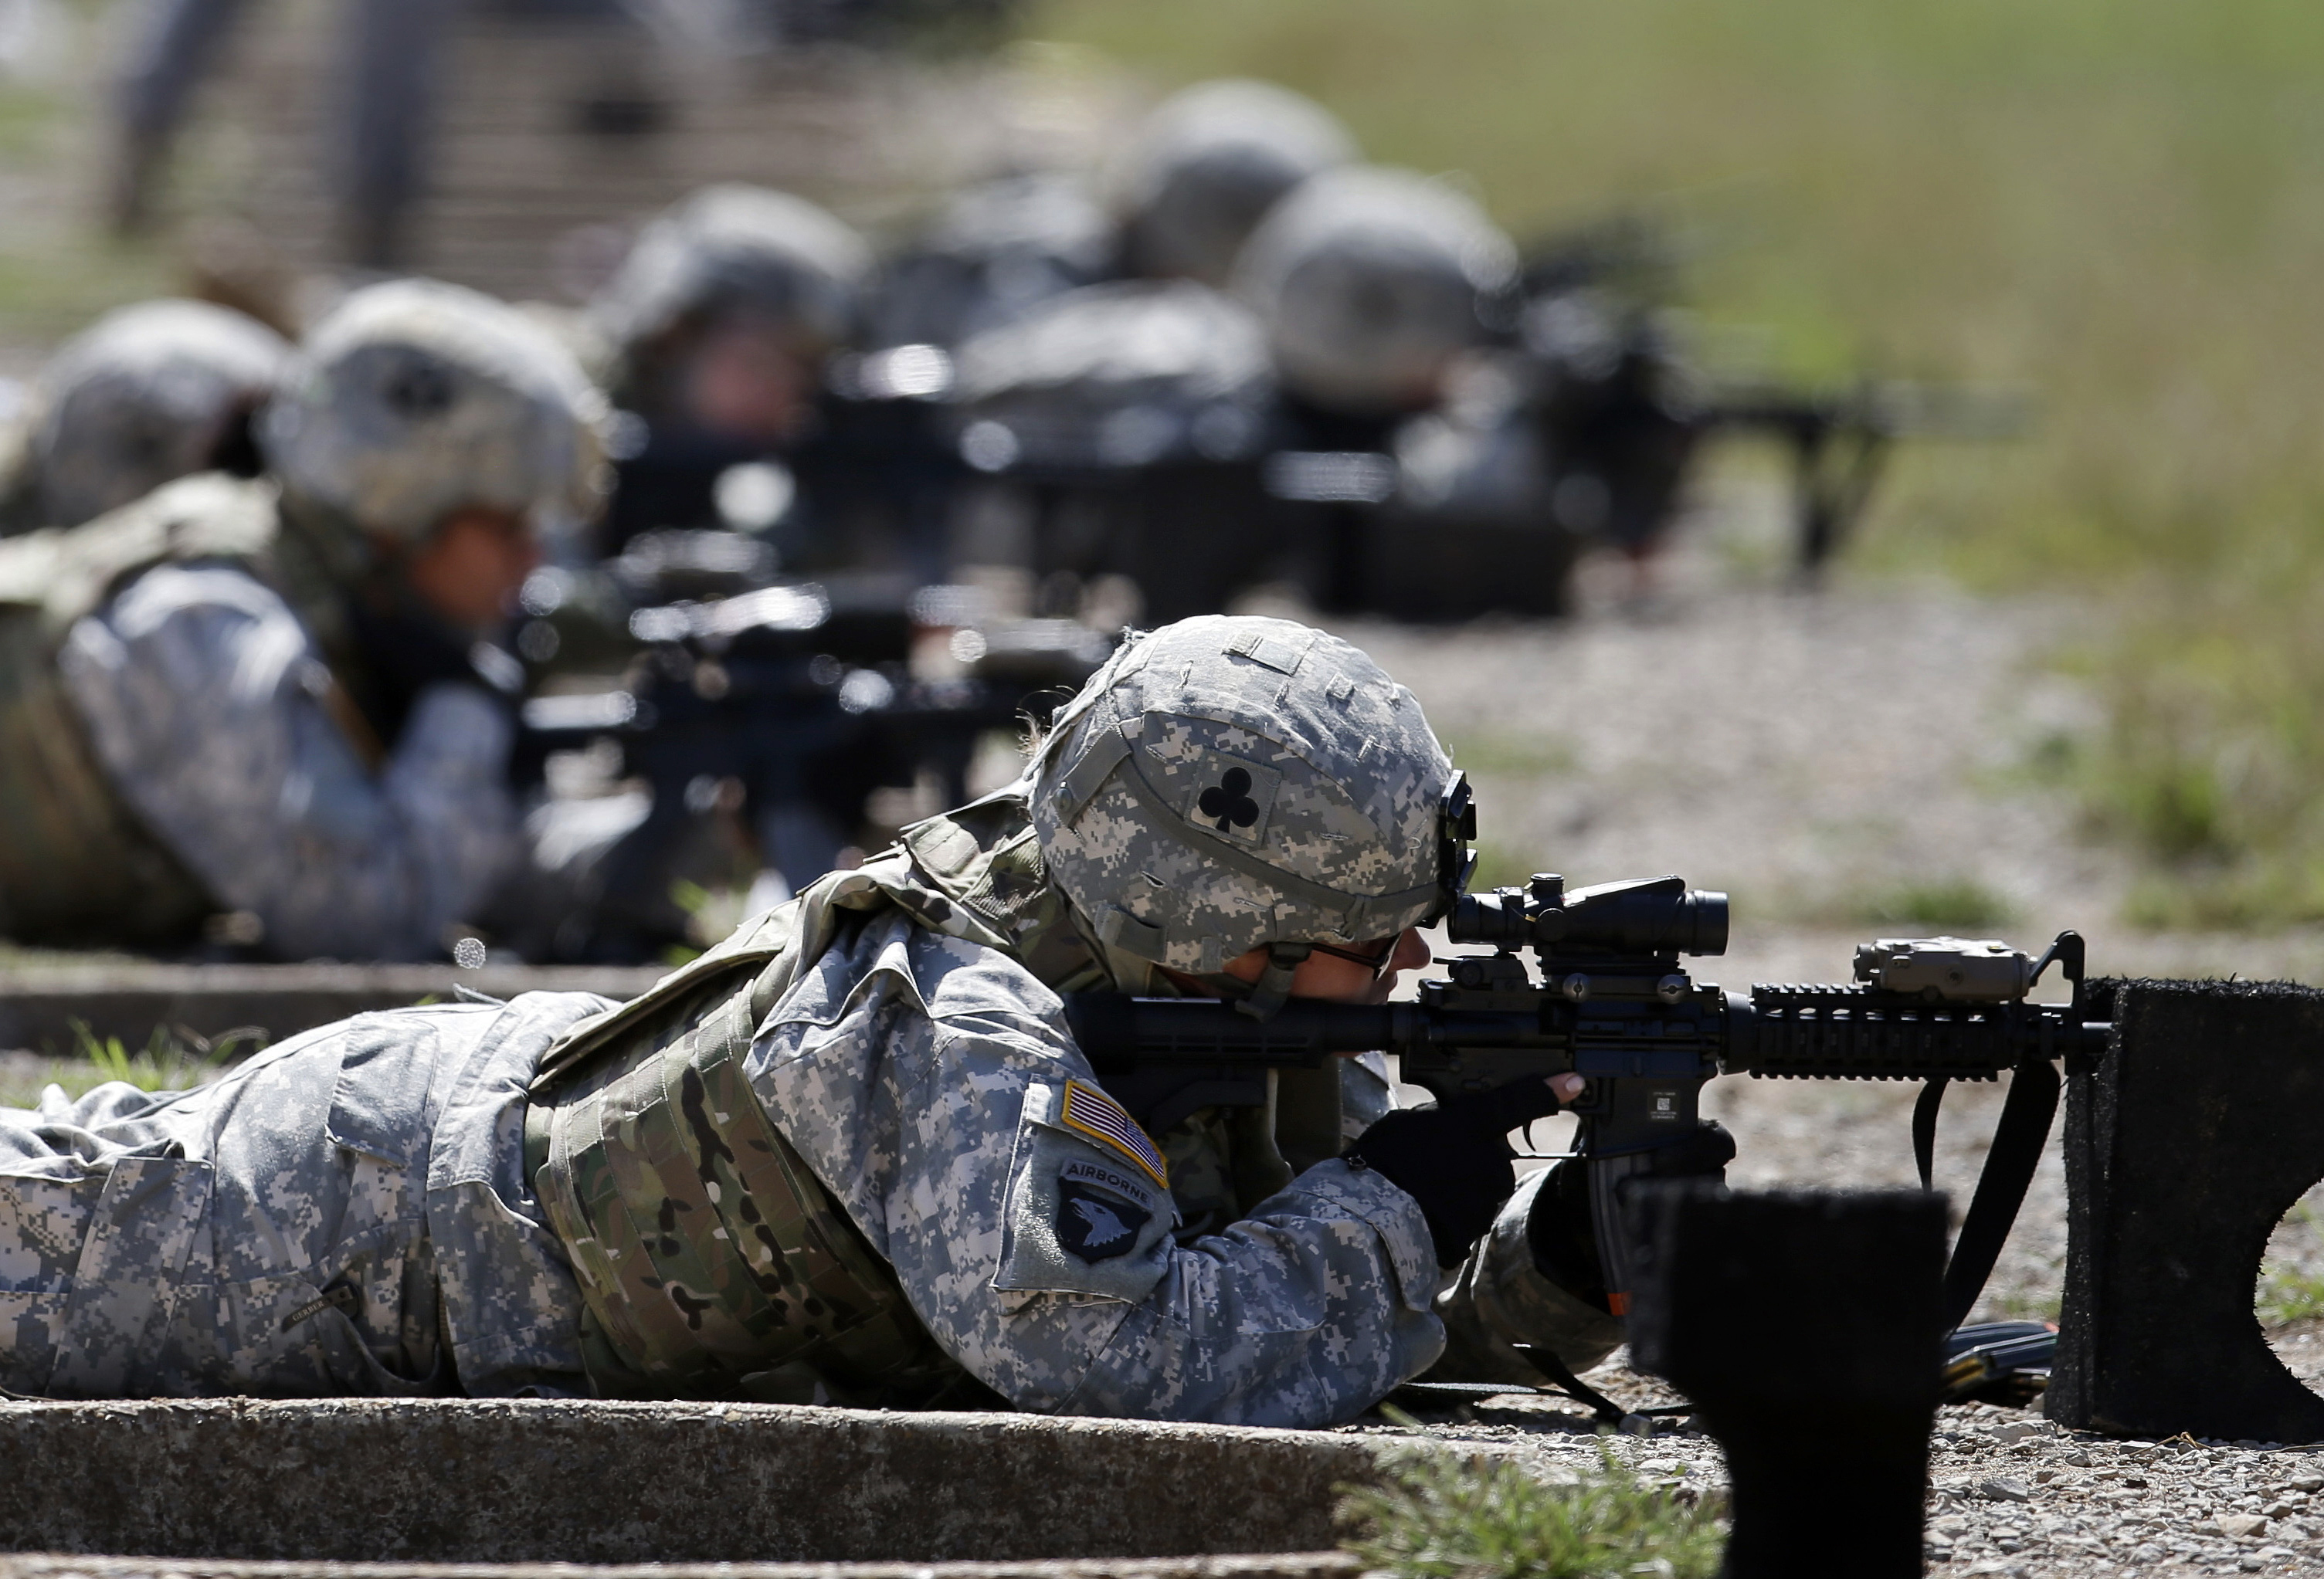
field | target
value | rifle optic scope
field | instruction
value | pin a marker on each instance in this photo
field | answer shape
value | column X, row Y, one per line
column 1646, row 915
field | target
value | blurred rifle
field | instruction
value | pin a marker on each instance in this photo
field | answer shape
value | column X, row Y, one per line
column 788, row 706
column 1622, row 407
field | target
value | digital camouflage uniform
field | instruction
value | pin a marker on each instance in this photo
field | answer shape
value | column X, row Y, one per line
column 853, row 1154
column 175, row 740
column 214, row 712
column 342, row 1214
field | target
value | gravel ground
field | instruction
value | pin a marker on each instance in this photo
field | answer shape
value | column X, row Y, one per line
column 1822, row 757
column 2010, row 1493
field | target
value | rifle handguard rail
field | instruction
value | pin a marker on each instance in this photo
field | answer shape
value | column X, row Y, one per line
column 1777, row 1032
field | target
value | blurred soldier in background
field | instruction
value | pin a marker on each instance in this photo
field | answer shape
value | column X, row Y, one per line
column 1108, row 415
column 1405, row 486
column 720, row 323
column 270, row 706
column 1367, row 280
column 148, row 393
column 1200, row 173
column 1199, row 442
column 1208, row 165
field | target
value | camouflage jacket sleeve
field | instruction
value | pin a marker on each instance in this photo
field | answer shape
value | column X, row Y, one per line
column 207, row 704
column 1499, row 1300
column 931, row 1084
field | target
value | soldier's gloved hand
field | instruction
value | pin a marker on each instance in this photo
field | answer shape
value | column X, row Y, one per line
column 1454, row 1157
column 1561, row 1232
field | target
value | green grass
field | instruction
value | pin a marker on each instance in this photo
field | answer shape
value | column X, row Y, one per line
column 2292, row 1290
column 168, row 1062
column 2115, row 204
column 58, row 271
column 1440, row 1518
column 1958, row 903
column 1526, row 755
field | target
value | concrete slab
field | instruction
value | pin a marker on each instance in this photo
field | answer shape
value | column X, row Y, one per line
column 1264, row 1565
column 459, row 1481
column 41, row 999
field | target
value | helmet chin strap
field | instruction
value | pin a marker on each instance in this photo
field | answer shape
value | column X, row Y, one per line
column 1261, row 1000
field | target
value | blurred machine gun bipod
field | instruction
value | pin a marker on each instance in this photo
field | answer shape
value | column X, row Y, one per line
column 1589, row 982
column 1621, row 405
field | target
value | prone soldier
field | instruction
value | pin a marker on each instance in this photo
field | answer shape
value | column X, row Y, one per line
column 720, row 323
column 272, row 699
column 1201, row 441
column 147, row 394
column 1193, row 182
column 853, row 1153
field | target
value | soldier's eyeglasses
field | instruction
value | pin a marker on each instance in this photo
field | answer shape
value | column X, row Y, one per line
column 1377, row 962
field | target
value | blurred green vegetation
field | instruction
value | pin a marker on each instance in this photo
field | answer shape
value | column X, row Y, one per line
column 2291, row 1274
column 2115, row 204
column 57, row 270
column 168, row 1062
column 1437, row 1518
column 1955, row 903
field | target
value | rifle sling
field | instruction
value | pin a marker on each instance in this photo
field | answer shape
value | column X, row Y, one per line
column 1544, row 1359
column 2017, row 1142
column 1925, row 1128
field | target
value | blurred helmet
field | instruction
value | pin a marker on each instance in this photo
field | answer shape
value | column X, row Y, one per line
column 997, row 249
column 1124, row 374
column 736, row 249
column 1227, row 782
column 1368, row 279
column 416, row 398
column 1209, row 163
column 148, row 394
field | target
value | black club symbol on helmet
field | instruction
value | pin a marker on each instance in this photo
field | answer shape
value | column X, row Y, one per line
column 1229, row 801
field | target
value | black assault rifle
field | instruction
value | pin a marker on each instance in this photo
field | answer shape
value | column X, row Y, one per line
column 1603, row 996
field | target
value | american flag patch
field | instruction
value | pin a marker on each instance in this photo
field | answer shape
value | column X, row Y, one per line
column 1098, row 1117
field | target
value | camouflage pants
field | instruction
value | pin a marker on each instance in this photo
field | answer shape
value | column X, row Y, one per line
column 344, row 1214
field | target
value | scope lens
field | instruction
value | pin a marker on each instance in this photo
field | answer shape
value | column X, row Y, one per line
column 1498, row 918
column 1710, row 906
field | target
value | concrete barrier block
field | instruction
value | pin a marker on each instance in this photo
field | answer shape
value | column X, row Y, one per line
column 2184, row 1147
column 1806, row 1328
column 1260, row 1565
column 437, row 1481
column 43, row 1001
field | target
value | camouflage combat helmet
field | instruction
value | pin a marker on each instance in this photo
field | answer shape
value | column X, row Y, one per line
column 737, row 249
column 147, row 394
column 1369, row 281
column 1209, row 163
column 416, row 398
column 1227, row 782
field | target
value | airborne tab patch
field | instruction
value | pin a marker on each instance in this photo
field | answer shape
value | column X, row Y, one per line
column 1091, row 1112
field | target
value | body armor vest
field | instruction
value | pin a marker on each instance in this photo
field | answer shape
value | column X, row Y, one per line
column 712, row 1261
column 76, row 865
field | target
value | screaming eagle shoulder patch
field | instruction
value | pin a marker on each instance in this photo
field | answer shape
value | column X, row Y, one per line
column 1094, row 1225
